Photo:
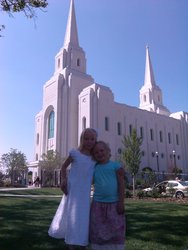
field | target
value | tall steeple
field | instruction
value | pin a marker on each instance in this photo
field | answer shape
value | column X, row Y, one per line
column 71, row 35
column 149, row 76
column 150, row 93
column 71, row 56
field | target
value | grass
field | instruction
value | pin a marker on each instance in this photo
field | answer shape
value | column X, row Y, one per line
column 156, row 225
column 24, row 223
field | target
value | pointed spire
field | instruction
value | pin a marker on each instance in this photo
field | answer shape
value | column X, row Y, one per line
column 150, row 94
column 149, row 76
column 71, row 35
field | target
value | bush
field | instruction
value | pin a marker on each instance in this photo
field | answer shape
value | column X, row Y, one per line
column 140, row 194
column 155, row 194
column 128, row 194
column 6, row 183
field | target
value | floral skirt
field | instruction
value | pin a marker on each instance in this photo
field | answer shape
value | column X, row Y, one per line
column 107, row 227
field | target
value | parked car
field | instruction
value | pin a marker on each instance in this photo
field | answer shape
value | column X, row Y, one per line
column 178, row 189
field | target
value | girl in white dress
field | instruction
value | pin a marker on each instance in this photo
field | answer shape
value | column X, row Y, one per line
column 71, row 221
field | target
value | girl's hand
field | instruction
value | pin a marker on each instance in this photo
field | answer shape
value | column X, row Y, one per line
column 120, row 207
column 64, row 187
column 66, row 163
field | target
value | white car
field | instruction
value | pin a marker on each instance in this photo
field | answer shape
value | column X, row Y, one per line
column 179, row 189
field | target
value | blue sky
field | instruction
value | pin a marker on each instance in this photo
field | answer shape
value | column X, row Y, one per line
column 113, row 34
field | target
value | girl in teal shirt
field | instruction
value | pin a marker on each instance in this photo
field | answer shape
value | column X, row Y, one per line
column 107, row 217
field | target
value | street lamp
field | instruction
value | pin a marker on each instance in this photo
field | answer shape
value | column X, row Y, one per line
column 157, row 157
column 174, row 155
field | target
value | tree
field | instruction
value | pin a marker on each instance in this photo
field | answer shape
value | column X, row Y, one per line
column 149, row 176
column 26, row 6
column 177, row 171
column 50, row 161
column 1, row 179
column 15, row 164
column 131, row 154
column 2, row 27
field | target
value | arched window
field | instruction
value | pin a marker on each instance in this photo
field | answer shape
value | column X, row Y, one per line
column 130, row 129
column 161, row 136
column 83, row 122
column 106, row 123
column 142, row 132
column 177, row 139
column 169, row 138
column 151, row 134
column 119, row 128
column 51, row 125
column 78, row 62
column 59, row 63
column 37, row 138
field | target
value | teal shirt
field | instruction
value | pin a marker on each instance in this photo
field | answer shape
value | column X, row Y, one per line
column 105, row 182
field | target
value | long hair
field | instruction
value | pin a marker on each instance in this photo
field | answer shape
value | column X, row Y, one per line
column 92, row 130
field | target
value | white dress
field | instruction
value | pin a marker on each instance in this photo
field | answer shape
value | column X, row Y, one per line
column 71, row 221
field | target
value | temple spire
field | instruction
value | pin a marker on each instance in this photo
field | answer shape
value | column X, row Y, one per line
column 150, row 93
column 71, row 56
column 149, row 75
column 71, row 35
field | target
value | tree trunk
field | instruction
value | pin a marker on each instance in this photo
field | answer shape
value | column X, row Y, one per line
column 133, row 185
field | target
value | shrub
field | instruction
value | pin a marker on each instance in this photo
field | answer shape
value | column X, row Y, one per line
column 128, row 194
column 155, row 194
column 140, row 194
column 7, row 182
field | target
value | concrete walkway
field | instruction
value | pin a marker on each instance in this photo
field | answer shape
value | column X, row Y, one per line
column 26, row 195
column 31, row 195
column 10, row 189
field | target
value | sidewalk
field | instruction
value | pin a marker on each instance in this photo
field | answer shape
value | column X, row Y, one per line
column 20, row 188
column 26, row 195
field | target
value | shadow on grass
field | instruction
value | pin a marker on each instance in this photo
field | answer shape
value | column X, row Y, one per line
column 25, row 222
column 161, row 223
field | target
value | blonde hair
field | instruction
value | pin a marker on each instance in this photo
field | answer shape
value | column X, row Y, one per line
column 92, row 130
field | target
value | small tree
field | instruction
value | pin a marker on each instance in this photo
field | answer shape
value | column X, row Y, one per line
column 15, row 164
column 149, row 176
column 177, row 170
column 131, row 154
column 50, row 161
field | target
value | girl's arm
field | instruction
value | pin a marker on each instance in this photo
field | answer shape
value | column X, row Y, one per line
column 66, row 163
column 121, row 190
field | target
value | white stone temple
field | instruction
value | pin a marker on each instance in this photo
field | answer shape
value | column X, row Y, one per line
column 72, row 101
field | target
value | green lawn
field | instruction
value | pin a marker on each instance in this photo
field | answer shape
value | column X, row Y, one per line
column 24, row 223
column 157, row 225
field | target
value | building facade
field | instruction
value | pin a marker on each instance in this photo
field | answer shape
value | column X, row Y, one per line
column 72, row 101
